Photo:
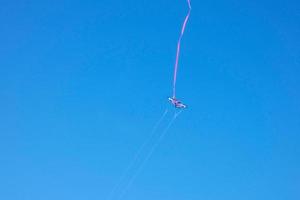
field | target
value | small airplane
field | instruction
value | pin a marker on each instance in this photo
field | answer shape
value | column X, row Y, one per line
column 176, row 103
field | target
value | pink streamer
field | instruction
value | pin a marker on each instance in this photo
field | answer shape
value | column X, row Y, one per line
column 178, row 47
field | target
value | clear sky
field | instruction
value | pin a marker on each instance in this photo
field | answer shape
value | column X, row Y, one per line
column 83, row 82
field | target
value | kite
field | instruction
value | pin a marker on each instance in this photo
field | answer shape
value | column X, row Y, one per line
column 176, row 103
column 139, row 161
column 173, row 99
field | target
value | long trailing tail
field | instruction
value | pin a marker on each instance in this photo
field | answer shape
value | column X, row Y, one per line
column 178, row 47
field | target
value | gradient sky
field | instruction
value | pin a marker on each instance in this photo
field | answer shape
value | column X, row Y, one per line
column 83, row 82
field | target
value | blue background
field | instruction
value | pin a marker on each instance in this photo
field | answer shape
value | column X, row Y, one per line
column 83, row 82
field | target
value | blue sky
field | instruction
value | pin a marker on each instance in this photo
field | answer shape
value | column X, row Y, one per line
column 83, row 82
